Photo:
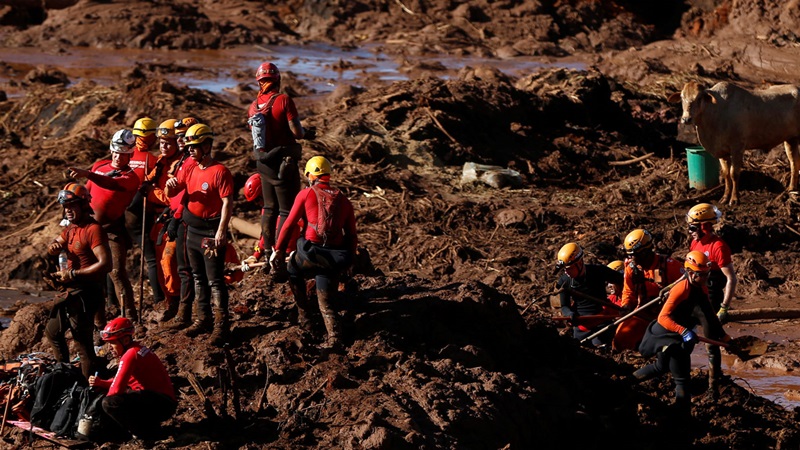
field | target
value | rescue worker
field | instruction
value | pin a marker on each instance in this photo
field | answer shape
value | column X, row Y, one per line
column 89, row 261
column 142, row 162
column 588, row 279
column 176, row 230
column 325, row 249
column 140, row 396
column 208, row 205
column 646, row 273
column 275, row 126
column 153, row 185
column 614, row 290
column 671, row 336
column 112, row 185
column 721, row 281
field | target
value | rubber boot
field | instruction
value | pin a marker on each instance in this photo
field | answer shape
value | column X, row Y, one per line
column 683, row 400
column 714, row 372
column 222, row 325
column 172, row 309
column 182, row 319
column 203, row 323
column 647, row 372
column 301, row 300
column 331, row 319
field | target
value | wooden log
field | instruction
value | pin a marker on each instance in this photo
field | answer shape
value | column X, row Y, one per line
column 735, row 315
column 246, row 227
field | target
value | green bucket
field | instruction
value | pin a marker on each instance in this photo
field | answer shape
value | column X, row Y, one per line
column 703, row 168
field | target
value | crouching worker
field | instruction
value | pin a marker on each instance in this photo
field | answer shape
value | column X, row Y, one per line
column 141, row 395
column 325, row 249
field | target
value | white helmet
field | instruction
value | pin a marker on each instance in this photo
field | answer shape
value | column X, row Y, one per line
column 122, row 142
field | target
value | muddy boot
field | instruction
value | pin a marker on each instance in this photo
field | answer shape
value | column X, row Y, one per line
column 182, row 319
column 172, row 309
column 647, row 372
column 301, row 299
column 331, row 319
column 714, row 373
column 221, row 332
column 203, row 323
column 683, row 401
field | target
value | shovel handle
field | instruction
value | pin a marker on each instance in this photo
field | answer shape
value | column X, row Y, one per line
column 589, row 317
column 712, row 341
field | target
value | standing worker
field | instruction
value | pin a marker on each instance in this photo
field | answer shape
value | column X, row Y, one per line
column 325, row 250
column 112, row 185
column 587, row 279
column 671, row 338
column 646, row 273
column 141, row 395
column 85, row 246
column 275, row 126
column 721, row 281
column 208, row 206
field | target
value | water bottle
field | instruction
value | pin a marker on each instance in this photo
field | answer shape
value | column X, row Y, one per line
column 85, row 426
column 63, row 261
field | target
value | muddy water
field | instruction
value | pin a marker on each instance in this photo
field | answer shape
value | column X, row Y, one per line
column 9, row 299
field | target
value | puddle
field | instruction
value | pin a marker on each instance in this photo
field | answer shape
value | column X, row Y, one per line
column 9, row 297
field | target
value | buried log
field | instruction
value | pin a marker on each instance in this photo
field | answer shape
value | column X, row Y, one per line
column 735, row 315
column 246, row 227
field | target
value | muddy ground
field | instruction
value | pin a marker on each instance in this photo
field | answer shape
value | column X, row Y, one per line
column 450, row 341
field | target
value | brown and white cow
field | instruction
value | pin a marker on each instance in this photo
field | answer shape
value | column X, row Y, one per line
column 730, row 119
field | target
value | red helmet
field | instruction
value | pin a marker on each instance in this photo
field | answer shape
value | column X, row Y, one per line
column 73, row 192
column 268, row 71
column 252, row 188
column 121, row 326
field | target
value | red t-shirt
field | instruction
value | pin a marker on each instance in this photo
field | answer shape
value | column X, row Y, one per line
column 110, row 204
column 80, row 240
column 283, row 111
column 715, row 248
column 176, row 202
column 142, row 162
column 205, row 188
column 139, row 370
column 342, row 233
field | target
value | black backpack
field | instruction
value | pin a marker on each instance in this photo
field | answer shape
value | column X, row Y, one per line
column 65, row 420
column 101, row 426
column 49, row 389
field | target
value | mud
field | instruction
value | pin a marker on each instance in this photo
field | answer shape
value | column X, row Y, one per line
column 449, row 338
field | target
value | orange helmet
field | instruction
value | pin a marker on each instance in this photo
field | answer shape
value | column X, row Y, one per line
column 182, row 125
column 252, row 188
column 73, row 192
column 697, row 261
column 121, row 326
column 268, row 71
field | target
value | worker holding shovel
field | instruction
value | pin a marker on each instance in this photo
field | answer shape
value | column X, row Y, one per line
column 577, row 278
column 671, row 338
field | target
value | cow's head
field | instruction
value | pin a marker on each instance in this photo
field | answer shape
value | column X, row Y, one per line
column 693, row 99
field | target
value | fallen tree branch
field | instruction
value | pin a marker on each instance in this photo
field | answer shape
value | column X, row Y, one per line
column 439, row 125
column 630, row 161
column 763, row 313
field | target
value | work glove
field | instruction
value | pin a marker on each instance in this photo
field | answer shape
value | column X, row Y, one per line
column 64, row 276
column 689, row 336
column 277, row 263
column 310, row 133
column 172, row 229
column 246, row 263
column 722, row 314
column 145, row 187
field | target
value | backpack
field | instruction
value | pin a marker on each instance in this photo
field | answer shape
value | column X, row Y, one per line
column 100, row 426
column 328, row 201
column 49, row 389
column 65, row 419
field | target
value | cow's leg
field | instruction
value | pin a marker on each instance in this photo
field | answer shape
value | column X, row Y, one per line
column 724, row 170
column 793, row 153
column 737, row 161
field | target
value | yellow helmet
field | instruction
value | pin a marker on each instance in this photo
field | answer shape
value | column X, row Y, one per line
column 697, row 261
column 318, row 166
column 167, row 129
column 570, row 254
column 617, row 265
column 638, row 240
column 144, row 127
column 198, row 133
column 703, row 212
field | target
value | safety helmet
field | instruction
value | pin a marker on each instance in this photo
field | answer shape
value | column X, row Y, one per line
column 182, row 125
column 703, row 212
column 122, row 142
column 167, row 129
column 638, row 240
column 569, row 254
column 617, row 265
column 268, row 71
column 198, row 133
column 73, row 192
column 252, row 188
column 144, row 127
column 318, row 166
column 114, row 330
column 697, row 261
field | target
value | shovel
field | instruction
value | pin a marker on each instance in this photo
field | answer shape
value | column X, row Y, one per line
column 588, row 317
column 743, row 347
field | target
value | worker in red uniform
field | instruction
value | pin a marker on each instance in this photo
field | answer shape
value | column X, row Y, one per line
column 671, row 338
column 112, row 185
column 614, row 290
column 141, row 395
column 325, row 250
column 721, row 281
column 86, row 247
column 646, row 273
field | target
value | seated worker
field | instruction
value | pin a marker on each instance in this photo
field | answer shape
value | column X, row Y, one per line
column 590, row 280
column 141, row 395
